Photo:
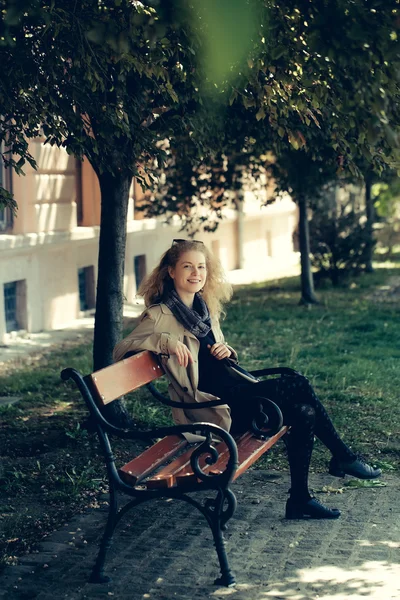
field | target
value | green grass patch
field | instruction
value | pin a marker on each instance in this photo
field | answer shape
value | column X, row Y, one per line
column 348, row 346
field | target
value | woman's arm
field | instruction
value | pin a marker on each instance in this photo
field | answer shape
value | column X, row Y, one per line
column 220, row 338
column 146, row 336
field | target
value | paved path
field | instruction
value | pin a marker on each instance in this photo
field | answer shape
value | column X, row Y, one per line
column 163, row 550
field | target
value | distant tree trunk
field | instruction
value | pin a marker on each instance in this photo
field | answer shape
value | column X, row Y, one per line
column 307, row 281
column 239, row 229
column 369, row 212
column 110, row 293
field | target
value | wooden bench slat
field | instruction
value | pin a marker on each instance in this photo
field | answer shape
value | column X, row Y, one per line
column 167, row 476
column 250, row 449
column 126, row 376
column 180, row 472
column 147, row 462
column 186, row 476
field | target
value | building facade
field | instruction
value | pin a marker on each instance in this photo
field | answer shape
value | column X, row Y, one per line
column 49, row 251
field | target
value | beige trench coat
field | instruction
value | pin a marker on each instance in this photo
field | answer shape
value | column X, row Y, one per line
column 156, row 328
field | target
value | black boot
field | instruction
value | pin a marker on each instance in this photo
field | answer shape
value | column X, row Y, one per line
column 358, row 468
column 309, row 509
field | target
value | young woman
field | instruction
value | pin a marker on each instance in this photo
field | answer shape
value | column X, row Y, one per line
column 184, row 296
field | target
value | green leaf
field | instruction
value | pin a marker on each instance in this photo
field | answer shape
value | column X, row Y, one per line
column 248, row 102
column 277, row 52
column 384, row 465
column 233, row 97
column 365, row 483
column 260, row 114
column 172, row 92
column 96, row 34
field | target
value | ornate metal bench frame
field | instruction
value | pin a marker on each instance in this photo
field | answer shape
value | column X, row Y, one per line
column 141, row 369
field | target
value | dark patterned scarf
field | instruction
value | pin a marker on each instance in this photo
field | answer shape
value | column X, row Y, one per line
column 196, row 320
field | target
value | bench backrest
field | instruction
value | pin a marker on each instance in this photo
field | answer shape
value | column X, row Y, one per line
column 125, row 376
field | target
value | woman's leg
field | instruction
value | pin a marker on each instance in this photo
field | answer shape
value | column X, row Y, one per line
column 289, row 391
column 293, row 392
column 299, row 441
column 344, row 461
column 299, row 444
column 324, row 428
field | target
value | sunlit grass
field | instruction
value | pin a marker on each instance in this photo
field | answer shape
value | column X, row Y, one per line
column 348, row 346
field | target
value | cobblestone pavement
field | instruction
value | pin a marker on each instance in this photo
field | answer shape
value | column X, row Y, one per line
column 163, row 550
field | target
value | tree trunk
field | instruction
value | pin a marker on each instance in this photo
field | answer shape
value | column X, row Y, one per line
column 369, row 212
column 110, row 293
column 307, row 282
column 239, row 228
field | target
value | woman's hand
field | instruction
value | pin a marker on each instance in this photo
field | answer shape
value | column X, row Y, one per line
column 219, row 351
column 181, row 351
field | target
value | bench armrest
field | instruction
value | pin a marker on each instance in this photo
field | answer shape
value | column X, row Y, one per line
column 268, row 415
column 208, row 404
column 274, row 371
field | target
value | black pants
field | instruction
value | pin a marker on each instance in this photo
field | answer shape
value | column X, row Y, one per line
column 302, row 410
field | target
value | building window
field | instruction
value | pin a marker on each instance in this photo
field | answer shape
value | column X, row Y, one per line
column 87, row 296
column 5, row 219
column 139, row 267
column 6, row 215
column 15, row 305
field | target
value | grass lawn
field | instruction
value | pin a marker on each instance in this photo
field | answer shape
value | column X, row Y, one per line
column 348, row 346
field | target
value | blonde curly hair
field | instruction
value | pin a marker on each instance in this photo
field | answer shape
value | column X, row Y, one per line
column 216, row 292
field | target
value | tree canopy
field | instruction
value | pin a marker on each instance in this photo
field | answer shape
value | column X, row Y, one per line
column 93, row 73
column 316, row 100
column 97, row 78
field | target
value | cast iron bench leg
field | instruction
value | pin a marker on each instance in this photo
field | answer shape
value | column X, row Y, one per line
column 98, row 575
column 217, row 523
column 227, row 577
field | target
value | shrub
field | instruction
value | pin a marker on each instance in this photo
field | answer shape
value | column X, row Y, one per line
column 338, row 242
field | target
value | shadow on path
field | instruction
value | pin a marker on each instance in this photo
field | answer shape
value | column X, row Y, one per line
column 163, row 550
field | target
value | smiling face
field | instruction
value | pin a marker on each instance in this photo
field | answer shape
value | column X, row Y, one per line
column 189, row 275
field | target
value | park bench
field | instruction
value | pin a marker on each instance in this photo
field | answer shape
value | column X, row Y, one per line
column 174, row 467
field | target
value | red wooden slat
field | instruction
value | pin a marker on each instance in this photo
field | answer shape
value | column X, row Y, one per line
column 249, row 448
column 186, row 475
column 252, row 448
column 141, row 466
column 125, row 376
column 180, row 472
column 167, row 476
